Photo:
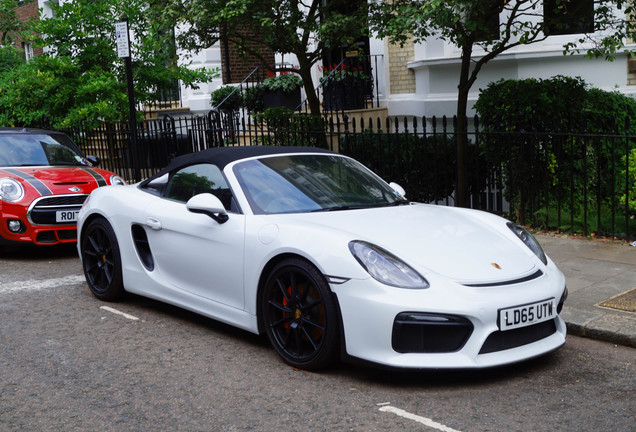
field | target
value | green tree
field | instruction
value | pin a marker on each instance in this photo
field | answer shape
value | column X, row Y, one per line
column 42, row 88
column 9, row 24
column 81, row 65
column 484, row 29
column 306, row 29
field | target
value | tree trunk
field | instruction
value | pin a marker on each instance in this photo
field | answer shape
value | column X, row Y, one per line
column 461, row 185
column 310, row 91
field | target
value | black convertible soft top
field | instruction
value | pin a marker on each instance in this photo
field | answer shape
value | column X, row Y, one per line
column 221, row 156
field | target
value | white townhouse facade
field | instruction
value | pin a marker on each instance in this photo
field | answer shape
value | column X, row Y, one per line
column 420, row 79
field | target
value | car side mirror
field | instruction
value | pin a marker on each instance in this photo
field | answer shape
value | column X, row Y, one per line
column 94, row 160
column 208, row 204
column 399, row 189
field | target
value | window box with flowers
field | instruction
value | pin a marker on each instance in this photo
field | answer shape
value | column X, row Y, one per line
column 282, row 91
column 344, row 87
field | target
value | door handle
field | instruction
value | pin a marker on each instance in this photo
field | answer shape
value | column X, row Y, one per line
column 153, row 223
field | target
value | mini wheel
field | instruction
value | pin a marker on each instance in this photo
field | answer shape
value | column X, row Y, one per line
column 300, row 316
column 102, row 261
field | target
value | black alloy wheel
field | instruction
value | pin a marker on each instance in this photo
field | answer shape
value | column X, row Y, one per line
column 300, row 316
column 102, row 261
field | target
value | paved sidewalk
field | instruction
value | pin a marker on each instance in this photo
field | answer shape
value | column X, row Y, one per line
column 601, row 280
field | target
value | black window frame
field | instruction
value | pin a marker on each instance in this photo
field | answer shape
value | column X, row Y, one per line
column 162, row 188
column 565, row 17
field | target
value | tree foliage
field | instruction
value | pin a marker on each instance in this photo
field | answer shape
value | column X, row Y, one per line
column 484, row 29
column 305, row 29
column 40, row 89
column 10, row 58
column 9, row 24
column 80, row 78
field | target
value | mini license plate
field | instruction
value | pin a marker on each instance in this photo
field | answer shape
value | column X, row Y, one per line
column 525, row 315
column 66, row 216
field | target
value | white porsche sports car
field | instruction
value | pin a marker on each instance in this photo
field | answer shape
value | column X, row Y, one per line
column 319, row 253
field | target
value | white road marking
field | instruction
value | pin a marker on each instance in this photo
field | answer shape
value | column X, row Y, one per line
column 423, row 420
column 35, row 285
column 116, row 312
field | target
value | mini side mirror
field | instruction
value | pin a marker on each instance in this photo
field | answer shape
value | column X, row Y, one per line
column 94, row 160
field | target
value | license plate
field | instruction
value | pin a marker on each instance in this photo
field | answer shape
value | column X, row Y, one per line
column 525, row 315
column 62, row 216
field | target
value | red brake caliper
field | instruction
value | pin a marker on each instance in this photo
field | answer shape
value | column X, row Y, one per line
column 285, row 303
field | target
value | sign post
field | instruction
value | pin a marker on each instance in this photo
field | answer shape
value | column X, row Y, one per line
column 123, row 51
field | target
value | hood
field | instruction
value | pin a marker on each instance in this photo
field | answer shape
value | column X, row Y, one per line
column 59, row 179
column 465, row 245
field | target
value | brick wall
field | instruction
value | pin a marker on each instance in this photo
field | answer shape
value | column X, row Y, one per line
column 25, row 11
column 402, row 79
column 236, row 66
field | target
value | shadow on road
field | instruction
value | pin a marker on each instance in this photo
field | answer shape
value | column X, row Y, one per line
column 36, row 253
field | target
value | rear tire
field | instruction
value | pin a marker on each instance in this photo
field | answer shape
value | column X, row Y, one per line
column 101, row 260
column 299, row 315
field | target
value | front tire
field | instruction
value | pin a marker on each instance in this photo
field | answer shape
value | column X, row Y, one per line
column 300, row 316
column 102, row 261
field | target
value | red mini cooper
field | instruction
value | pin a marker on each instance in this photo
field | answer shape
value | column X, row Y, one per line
column 44, row 180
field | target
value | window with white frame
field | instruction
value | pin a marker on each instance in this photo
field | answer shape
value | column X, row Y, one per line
column 28, row 51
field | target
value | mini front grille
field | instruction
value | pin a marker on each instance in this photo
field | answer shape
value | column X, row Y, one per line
column 43, row 211
column 60, row 201
column 56, row 236
column 503, row 340
column 67, row 234
column 46, row 237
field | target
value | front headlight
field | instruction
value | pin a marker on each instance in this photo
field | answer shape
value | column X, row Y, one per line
column 11, row 190
column 117, row 181
column 386, row 267
column 529, row 241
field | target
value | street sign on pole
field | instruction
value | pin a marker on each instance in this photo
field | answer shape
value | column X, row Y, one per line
column 123, row 47
column 123, row 51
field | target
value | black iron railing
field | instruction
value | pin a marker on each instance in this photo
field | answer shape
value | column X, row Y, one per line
column 580, row 181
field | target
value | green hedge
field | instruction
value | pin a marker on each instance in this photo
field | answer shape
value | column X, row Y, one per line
column 423, row 165
column 285, row 127
column 562, row 152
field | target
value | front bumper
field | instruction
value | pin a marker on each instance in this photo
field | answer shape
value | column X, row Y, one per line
column 43, row 231
column 371, row 314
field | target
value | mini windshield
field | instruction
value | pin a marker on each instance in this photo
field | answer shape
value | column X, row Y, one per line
column 309, row 183
column 38, row 150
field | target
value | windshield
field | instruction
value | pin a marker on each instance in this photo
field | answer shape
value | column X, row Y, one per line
column 38, row 150
column 308, row 183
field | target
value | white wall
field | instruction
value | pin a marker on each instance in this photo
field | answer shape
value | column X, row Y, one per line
column 437, row 78
column 436, row 67
column 198, row 100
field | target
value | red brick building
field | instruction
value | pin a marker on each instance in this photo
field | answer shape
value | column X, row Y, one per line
column 25, row 11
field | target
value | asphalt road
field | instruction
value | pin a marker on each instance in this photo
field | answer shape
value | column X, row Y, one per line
column 68, row 364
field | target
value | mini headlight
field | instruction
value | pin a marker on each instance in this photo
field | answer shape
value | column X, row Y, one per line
column 116, row 180
column 386, row 267
column 11, row 190
column 529, row 241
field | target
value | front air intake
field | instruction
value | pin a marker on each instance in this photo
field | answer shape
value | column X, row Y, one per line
column 416, row 332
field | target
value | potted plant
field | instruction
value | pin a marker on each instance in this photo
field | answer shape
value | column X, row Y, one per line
column 227, row 99
column 344, row 87
column 282, row 90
